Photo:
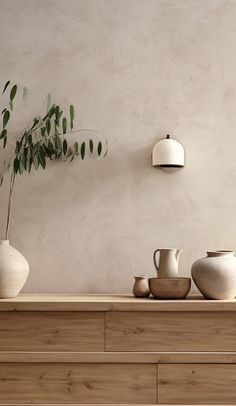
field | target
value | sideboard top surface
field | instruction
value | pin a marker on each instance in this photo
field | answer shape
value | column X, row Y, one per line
column 67, row 302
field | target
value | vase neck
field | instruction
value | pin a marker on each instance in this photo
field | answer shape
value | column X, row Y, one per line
column 4, row 242
column 220, row 253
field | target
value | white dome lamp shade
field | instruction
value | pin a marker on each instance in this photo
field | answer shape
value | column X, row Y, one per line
column 168, row 154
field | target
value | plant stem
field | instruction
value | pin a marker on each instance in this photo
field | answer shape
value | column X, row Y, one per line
column 12, row 182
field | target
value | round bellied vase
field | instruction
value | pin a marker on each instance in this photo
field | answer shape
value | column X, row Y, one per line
column 215, row 275
column 14, row 270
column 141, row 287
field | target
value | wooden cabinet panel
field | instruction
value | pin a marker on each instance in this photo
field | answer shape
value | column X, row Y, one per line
column 51, row 331
column 197, row 384
column 77, row 383
column 170, row 331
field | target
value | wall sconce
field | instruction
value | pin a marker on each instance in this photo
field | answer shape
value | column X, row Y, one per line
column 168, row 154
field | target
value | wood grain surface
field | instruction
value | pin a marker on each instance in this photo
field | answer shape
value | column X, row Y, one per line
column 197, row 384
column 71, row 383
column 51, row 331
column 170, row 331
column 65, row 302
column 118, row 357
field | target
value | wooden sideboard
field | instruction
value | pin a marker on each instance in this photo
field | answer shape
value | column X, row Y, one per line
column 103, row 349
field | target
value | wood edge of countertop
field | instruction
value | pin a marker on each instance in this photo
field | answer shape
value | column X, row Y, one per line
column 66, row 302
column 119, row 357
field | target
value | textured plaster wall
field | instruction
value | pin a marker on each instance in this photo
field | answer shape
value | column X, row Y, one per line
column 135, row 70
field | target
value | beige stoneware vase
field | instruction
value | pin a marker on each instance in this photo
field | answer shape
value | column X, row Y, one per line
column 215, row 275
column 14, row 270
column 141, row 286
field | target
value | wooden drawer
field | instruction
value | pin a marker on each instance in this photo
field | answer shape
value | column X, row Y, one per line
column 197, row 384
column 77, row 383
column 51, row 331
column 170, row 331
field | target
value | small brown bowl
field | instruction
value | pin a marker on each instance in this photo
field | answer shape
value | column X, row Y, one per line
column 171, row 288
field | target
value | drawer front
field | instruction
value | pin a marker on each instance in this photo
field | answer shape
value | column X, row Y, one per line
column 170, row 331
column 197, row 384
column 51, row 331
column 74, row 383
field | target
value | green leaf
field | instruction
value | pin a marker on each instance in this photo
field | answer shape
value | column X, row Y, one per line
column 29, row 165
column 60, row 114
column 36, row 147
column 72, row 116
column 29, row 160
column 58, row 143
column 36, row 121
column 25, row 93
column 49, row 113
column 48, row 126
column 42, row 159
column 11, row 105
column 56, row 132
column 99, row 148
column 43, row 130
column 57, row 111
column 13, row 92
column 25, row 157
column 50, row 149
column 23, row 161
column 64, row 124
column 6, row 86
column 16, row 165
column 6, row 117
column 3, row 134
column 76, row 147
column 29, row 139
column 64, row 147
column 4, row 142
column 36, row 161
column 82, row 150
column 91, row 146
column 49, row 101
column 18, row 147
column 21, row 167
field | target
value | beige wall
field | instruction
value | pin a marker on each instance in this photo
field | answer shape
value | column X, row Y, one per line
column 135, row 69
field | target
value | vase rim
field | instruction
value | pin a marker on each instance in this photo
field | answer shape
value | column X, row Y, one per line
column 170, row 249
column 220, row 253
column 140, row 276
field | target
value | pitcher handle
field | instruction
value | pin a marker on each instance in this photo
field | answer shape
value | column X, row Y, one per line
column 154, row 259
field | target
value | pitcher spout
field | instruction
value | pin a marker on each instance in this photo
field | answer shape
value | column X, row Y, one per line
column 177, row 255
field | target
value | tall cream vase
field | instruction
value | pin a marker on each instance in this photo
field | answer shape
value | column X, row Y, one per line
column 14, row 270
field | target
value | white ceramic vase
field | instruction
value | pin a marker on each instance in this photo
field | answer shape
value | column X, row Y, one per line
column 14, row 270
column 215, row 275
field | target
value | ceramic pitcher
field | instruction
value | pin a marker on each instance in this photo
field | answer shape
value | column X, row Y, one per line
column 168, row 262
